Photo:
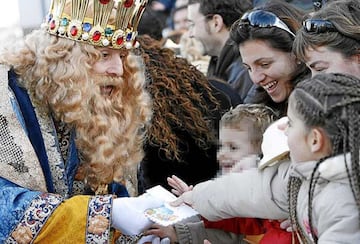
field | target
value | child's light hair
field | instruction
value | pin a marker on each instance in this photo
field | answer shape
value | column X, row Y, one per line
column 254, row 118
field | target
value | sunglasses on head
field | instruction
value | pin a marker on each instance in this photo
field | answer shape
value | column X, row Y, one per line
column 262, row 18
column 318, row 26
column 317, row 4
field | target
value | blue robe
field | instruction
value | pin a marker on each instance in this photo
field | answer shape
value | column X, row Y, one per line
column 34, row 177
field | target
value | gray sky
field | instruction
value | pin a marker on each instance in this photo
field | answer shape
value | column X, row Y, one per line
column 9, row 14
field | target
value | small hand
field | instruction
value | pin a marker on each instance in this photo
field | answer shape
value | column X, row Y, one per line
column 248, row 162
column 162, row 232
column 178, row 185
column 286, row 225
column 283, row 123
column 186, row 198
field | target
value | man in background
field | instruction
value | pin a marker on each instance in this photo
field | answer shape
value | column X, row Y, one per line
column 210, row 22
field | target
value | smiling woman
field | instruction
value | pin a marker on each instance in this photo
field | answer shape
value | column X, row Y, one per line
column 329, row 41
column 265, row 37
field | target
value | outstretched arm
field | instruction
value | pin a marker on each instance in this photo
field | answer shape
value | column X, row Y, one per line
column 252, row 193
column 28, row 215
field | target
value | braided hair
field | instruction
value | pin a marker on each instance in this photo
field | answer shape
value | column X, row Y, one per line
column 332, row 102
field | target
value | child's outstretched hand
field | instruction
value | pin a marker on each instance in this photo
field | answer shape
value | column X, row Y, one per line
column 248, row 162
column 163, row 232
column 186, row 198
column 178, row 185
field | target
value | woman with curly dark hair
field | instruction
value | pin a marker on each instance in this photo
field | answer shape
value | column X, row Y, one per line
column 181, row 139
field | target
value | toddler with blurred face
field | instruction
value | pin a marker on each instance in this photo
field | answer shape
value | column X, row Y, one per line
column 240, row 138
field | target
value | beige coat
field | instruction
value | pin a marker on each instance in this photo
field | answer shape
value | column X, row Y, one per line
column 263, row 194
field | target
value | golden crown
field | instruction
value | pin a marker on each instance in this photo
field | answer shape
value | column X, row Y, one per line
column 97, row 27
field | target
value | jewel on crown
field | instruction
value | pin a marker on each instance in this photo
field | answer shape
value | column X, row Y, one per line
column 99, row 29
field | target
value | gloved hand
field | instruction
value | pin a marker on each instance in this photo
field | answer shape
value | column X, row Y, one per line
column 128, row 213
column 153, row 240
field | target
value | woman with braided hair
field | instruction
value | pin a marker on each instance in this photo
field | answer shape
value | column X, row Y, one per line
column 320, row 188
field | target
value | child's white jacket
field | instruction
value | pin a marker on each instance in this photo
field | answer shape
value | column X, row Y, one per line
column 263, row 194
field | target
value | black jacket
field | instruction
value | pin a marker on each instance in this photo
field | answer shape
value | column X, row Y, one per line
column 228, row 67
column 196, row 164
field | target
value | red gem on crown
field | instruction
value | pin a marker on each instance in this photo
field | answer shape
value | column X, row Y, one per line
column 119, row 40
column 73, row 30
column 52, row 25
column 128, row 3
column 96, row 36
column 104, row 1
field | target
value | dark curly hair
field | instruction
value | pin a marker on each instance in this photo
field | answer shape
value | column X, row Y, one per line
column 182, row 100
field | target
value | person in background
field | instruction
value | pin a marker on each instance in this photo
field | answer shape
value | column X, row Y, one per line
column 240, row 139
column 209, row 23
column 319, row 188
column 73, row 109
column 182, row 136
column 162, row 5
column 329, row 40
column 192, row 50
column 178, row 24
column 157, row 11
column 305, row 5
column 150, row 24
column 180, row 17
column 265, row 38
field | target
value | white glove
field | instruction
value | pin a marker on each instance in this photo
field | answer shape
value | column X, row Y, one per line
column 149, row 239
column 154, row 240
column 165, row 240
column 128, row 213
